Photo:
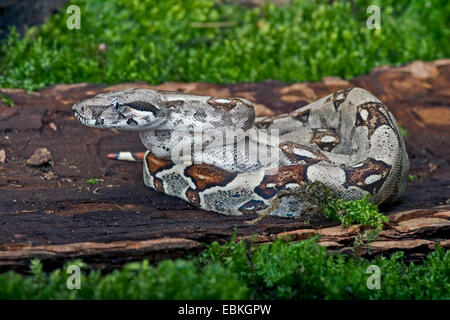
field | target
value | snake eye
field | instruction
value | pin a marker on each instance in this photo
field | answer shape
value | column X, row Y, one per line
column 116, row 105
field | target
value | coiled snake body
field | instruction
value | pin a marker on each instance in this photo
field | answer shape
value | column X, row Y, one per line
column 349, row 141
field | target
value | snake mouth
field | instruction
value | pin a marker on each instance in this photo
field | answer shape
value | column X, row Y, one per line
column 82, row 119
column 78, row 116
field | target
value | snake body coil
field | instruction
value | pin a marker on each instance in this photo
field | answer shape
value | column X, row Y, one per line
column 349, row 141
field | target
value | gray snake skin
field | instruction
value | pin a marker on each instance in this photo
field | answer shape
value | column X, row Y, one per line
column 348, row 140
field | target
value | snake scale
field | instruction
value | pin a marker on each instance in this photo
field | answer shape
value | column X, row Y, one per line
column 348, row 141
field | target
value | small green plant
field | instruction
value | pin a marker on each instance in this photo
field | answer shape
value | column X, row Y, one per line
column 365, row 238
column 412, row 177
column 7, row 100
column 404, row 132
column 93, row 181
column 322, row 199
column 355, row 212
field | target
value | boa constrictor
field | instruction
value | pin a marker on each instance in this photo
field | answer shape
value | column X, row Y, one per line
column 348, row 141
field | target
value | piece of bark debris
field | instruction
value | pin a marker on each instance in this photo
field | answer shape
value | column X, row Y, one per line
column 53, row 126
column 49, row 176
column 40, row 157
column 432, row 167
column 2, row 156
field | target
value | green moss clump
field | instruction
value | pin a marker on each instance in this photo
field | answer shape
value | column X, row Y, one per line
column 242, row 270
column 179, row 279
column 203, row 40
column 403, row 131
column 6, row 100
column 93, row 181
column 355, row 212
column 321, row 199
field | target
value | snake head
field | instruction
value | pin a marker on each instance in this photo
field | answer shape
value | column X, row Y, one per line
column 130, row 109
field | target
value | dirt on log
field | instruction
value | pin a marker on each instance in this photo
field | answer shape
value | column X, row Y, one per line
column 61, row 198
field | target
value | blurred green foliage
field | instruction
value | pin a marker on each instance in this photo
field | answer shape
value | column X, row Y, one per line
column 157, row 41
column 242, row 270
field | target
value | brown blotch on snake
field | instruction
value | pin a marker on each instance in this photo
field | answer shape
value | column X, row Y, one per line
column 298, row 153
column 252, row 206
column 272, row 184
column 302, row 116
column 372, row 115
column 265, row 123
column 175, row 103
column 156, row 164
column 227, row 104
column 158, row 184
column 193, row 197
column 338, row 97
column 206, row 175
column 368, row 175
column 325, row 139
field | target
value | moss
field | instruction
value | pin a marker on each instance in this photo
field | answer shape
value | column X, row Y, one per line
column 202, row 40
column 93, row 181
column 412, row 177
column 242, row 270
column 7, row 100
column 319, row 198
column 355, row 212
column 403, row 131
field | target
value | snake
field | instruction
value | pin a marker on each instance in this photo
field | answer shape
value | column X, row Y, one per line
column 214, row 153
